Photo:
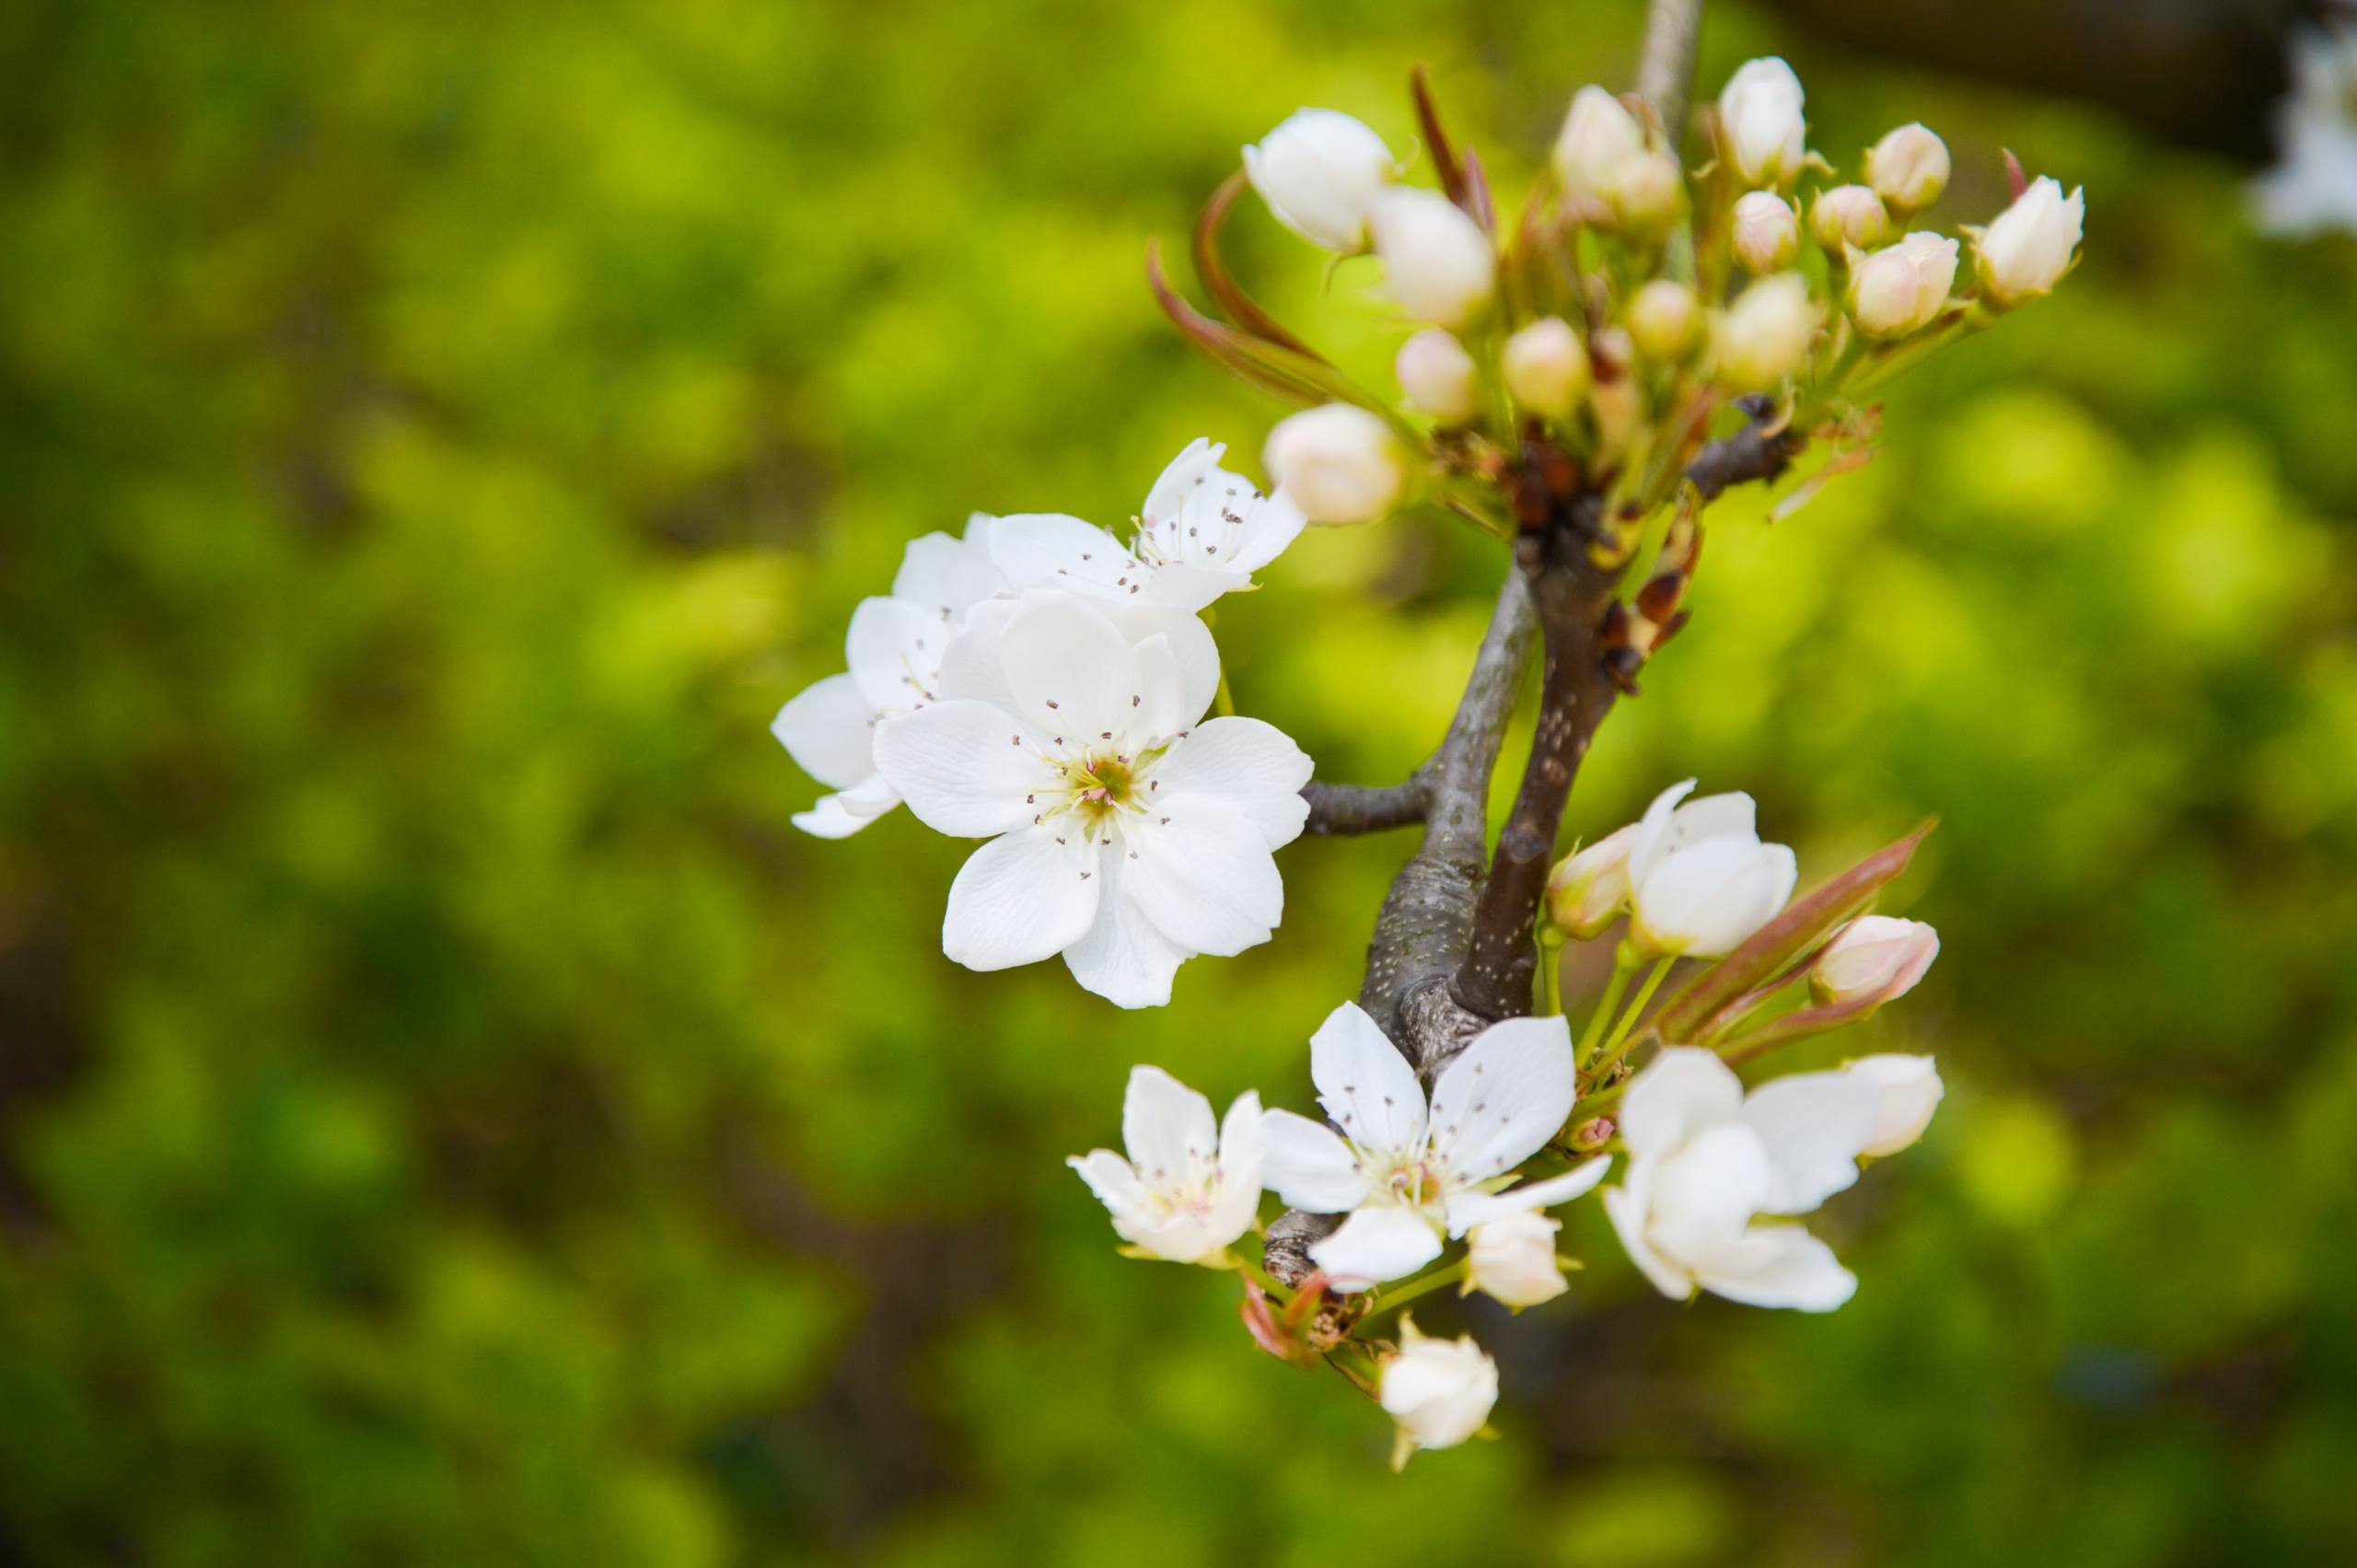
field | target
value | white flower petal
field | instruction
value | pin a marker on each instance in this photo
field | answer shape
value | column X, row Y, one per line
column 949, row 575
column 1627, row 1208
column 1781, row 1266
column 1159, row 708
column 1019, row 898
column 1705, row 1194
column 841, row 815
column 1467, row 1210
column 1504, row 1096
column 894, row 649
column 1910, row 1091
column 1116, row 1186
column 1122, row 956
column 963, row 767
column 1047, row 550
column 1167, row 496
column 1244, row 763
column 1647, row 844
column 1307, row 1166
column 1166, row 1127
column 1379, row 1243
column 1070, row 669
column 1190, row 640
column 1681, row 1091
column 1363, row 1082
column 828, row 729
column 1242, row 1159
column 1814, row 1126
column 1204, row 874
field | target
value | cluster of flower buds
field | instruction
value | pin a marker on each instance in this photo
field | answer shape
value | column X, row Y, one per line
column 1526, row 1120
column 1628, row 301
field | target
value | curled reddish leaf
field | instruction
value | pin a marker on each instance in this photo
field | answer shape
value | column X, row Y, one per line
column 1445, row 164
column 1240, row 306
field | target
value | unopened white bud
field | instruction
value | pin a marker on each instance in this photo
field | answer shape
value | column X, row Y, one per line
column 1547, row 367
column 1903, row 287
column 1598, row 138
column 1762, row 133
column 2027, row 250
column 1512, row 1259
column 1765, row 335
column 1439, row 1391
column 1908, row 168
column 1339, row 464
column 1848, row 216
column 1441, row 266
column 1874, row 955
column 1320, row 171
column 1767, row 232
column 1587, row 891
column 1666, row 320
column 1439, row 378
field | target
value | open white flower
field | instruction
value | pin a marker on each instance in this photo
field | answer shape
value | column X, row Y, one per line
column 1203, row 532
column 1407, row 1177
column 1124, row 834
column 894, row 650
column 1705, row 1159
column 1440, row 1391
column 1701, row 882
column 1188, row 1189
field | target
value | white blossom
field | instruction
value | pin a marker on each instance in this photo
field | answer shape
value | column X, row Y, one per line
column 2312, row 187
column 1513, row 1260
column 1705, row 1160
column 1407, row 1177
column 1124, row 833
column 1320, row 171
column 1767, row 231
column 1188, row 1190
column 1439, row 1391
column 1439, row 376
column 1759, row 119
column 1701, row 881
column 1908, row 1090
column 1909, row 168
column 1600, row 138
column 1874, row 955
column 894, row 650
column 1340, row 462
column 1202, row 533
column 1903, row 287
column 1437, row 262
column 1546, row 367
column 2025, row 252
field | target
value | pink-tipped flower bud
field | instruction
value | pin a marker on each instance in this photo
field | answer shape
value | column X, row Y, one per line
column 1760, row 127
column 1908, row 168
column 1874, row 955
column 1902, row 288
column 1666, row 321
column 1767, row 232
column 1439, row 378
column 2027, row 250
column 1547, row 367
column 1848, row 216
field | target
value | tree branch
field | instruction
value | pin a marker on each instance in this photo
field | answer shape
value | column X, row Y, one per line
column 1761, row 450
column 1666, row 66
column 1336, row 810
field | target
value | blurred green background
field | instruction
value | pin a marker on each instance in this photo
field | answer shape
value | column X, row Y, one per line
column 451, row 1118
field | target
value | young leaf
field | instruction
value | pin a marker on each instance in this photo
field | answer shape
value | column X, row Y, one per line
column 1239, row 306
column 1445, row 164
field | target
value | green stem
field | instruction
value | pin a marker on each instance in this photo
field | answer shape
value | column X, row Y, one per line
column 1624, row 964
column 1223, row 700
column 1265, row 1279
column 1386, row 1301
column 1551, row 938
column 1619, row 1039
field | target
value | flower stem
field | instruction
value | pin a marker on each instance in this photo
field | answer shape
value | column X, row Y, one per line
column 1265, row 1279
column 1624, row 964
column 1551, row 938
column 1223, row 700
column 1423, row 1285
column 1619, row 1039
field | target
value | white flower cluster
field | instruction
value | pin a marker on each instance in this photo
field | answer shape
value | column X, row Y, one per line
column 1041, row 684
column 1332, row 181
